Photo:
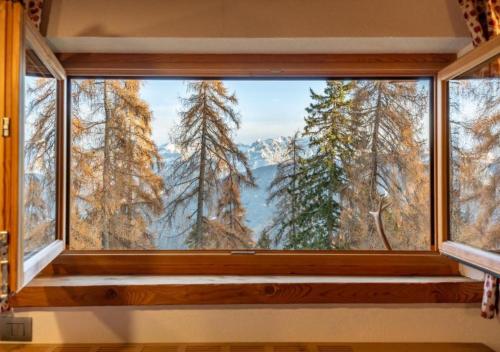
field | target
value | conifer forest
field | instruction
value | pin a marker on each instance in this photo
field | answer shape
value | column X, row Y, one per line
column 362, row 151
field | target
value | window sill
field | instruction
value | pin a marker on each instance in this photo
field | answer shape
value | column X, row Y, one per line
column 116, row 290
column 262, row 263
column 254, row 347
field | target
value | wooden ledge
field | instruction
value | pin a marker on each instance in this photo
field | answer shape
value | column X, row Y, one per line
column 252, row 347
column 253, row 65
column 66, row 291
column 263, row 263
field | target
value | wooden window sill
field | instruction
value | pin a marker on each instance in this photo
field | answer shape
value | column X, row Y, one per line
column 116, row 290
column 253, row 347
column 262, row 263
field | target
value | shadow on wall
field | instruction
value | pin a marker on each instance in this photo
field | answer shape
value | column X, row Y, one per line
column 308, row 323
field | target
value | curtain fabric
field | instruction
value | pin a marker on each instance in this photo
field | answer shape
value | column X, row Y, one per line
column 489, row 306
column 34, row 10
column 482, row 17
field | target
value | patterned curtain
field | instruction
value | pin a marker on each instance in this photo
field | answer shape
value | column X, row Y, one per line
column 483, row 18
column 489, row 306
column 34, row 10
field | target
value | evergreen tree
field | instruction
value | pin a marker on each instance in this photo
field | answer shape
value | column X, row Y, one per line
column 209, row 167
column 284, row 193
column 115, row 186
column 329, row 135
column 264, row 241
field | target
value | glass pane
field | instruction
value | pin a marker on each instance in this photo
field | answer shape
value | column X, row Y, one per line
column 474, row 100
column 39, row 188
column 242, row 164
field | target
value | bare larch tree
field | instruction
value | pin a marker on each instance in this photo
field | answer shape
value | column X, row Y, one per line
column 210, row 170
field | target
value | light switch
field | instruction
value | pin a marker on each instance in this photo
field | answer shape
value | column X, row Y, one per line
column 15, row 328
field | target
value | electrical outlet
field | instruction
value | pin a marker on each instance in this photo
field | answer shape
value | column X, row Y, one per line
column 15, row 328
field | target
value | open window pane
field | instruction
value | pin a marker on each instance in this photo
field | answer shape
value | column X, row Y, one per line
column 39, row 182
column 250, row 164
column 474, row 99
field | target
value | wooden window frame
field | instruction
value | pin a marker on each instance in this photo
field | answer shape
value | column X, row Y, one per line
column 23, row 270
column 258, row 262
column 17, row 33
column 483, row 260
column 248, row 277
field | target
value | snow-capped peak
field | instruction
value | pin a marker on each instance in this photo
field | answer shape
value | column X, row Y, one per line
column 262, row 152
column 265, row 152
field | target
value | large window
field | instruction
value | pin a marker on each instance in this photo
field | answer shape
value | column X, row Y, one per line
column 250, row 164
column 242, row 176
column 474, row 99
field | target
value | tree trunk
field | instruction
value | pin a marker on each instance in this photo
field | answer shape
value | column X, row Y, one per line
column 201, row 186
column 374, row 152
column 105, row 174
column 374, row 149
column 330, row 221
column 294, row 197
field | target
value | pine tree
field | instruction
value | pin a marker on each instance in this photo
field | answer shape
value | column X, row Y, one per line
column 264, row 241
column 284, row 193
column 209, row 162
column 116, row 189
column 329, row 136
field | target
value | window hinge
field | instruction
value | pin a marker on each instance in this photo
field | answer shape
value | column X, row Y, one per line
column 4, row 266
column 5, row 126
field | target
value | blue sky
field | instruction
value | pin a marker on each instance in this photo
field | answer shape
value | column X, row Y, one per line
column 268, row 108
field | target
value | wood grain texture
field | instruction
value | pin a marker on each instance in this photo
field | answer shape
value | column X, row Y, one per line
column 470, row 60
column 238, row 291
column 251, row 347
column 31, row 38
column 262, row 263
column 254, row 65
column 11, row 175
column 481, row 259
column 3, row 97
column 441, row 167
column 35, row 41
column 152, row 280
column 61, row 162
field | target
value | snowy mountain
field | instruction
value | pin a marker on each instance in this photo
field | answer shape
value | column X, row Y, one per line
column 265, row 152
column 263, row 156
column 262, row 152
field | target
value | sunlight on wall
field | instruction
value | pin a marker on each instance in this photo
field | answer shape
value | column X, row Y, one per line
column 312, row 323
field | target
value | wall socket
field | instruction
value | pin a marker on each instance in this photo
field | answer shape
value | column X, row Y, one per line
column 15, row 328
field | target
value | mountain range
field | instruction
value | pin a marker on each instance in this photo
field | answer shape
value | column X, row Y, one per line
column 262, row 152
column 263, row 156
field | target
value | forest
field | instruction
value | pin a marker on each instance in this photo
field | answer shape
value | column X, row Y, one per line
column 355, row 176
column 475, row 162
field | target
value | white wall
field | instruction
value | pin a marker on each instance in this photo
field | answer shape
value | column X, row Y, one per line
column 257, row 26
column 312, row 323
